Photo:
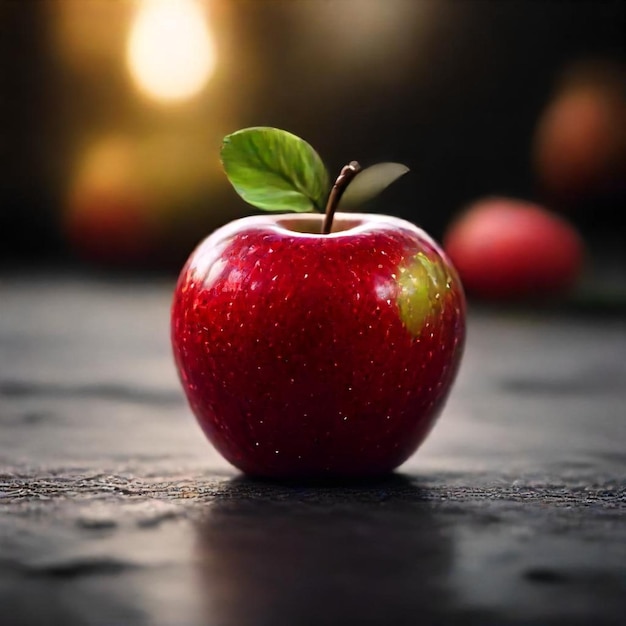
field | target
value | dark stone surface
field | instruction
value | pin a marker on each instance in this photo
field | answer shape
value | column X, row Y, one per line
column 115, row 510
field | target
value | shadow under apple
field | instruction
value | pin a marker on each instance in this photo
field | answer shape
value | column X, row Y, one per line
column 322, row 553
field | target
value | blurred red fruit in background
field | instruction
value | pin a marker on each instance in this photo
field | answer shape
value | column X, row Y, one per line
column 141, row 202
column 579, row 147
column 508, row 249
column 110, row 228
column 109, row 218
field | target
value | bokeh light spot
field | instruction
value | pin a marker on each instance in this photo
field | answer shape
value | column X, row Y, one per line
column 170, row 51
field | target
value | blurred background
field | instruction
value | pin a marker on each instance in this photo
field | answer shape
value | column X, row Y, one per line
column 112, row 115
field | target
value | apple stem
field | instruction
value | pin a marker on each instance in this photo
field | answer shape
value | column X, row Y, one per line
column 347, row 174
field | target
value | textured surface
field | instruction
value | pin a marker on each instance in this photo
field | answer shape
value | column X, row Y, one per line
column 115, row 510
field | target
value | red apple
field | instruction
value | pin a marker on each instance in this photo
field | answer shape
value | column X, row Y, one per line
column 508, row 249
column 308, row 355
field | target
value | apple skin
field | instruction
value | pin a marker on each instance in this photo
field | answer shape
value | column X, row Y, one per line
column 309, row 355
column 511, row 250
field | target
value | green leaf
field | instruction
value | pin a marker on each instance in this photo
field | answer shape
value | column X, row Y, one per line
column 274, row 170
column 370, row 182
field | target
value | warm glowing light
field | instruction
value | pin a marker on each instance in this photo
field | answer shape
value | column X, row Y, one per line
column 170, row 50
